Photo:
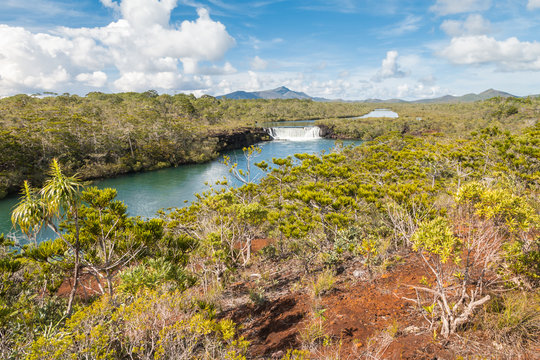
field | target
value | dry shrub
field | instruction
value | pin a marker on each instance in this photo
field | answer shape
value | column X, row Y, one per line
column 377, row 344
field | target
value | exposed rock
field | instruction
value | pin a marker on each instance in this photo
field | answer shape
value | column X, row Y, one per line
column 360, row 274
column 239, row 138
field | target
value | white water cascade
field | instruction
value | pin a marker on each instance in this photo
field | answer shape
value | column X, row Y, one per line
column 295, row 133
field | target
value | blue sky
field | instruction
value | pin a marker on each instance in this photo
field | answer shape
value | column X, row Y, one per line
column 335, row 48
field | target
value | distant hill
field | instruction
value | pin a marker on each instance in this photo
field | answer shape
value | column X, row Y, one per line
column 284, row 93
column 488, row 94
column 278, row 93
column 389, row 101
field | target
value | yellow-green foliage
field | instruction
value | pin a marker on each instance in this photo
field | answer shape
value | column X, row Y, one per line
column 499, row 205
column 153, row 326
column 512, row 215
column 436, row 237
column 513, row 318
column 297, row 355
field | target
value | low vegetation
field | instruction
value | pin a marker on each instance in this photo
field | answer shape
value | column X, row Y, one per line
column 462, row 209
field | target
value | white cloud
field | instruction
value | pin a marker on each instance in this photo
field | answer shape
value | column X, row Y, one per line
column 258, row 64
column 29, row 61
column 390, row 67
column 416, row 91
column 110, row 4
column 95, row 79
column 142, row 46
column 409, row 24
column 508, row 55
column 533, row 4
column 447, row 7
column 258, row 44
column 227, row 69
column 138, row 80
column 475, row 24
column 191, row 67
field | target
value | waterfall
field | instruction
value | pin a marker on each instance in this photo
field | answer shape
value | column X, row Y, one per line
column 295, row 133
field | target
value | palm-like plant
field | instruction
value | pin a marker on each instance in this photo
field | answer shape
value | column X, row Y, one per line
column 59, row 197
column 61, row 193
column 62, row 197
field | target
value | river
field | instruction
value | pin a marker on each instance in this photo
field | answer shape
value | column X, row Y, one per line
column 146, row 192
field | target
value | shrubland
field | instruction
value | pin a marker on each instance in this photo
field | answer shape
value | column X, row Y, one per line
column 455, row 120
column 464, row 205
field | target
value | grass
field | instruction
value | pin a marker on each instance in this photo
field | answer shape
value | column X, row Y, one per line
column 513, row 319
column 323, row 283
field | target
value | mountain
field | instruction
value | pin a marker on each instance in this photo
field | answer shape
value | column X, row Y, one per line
column 488, row 94
column 278, row 93
column 284, row 93
column 389, row 101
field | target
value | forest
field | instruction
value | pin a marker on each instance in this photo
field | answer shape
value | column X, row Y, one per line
column 422, row 242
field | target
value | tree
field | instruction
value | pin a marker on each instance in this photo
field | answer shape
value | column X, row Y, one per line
column 59, row 198
column 109, row 238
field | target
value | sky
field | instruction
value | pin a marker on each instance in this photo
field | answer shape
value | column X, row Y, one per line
column 337, row 49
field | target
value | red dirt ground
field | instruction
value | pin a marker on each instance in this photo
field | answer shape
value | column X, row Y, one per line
column 359, row 313
column 356, row 311
column 88, row 287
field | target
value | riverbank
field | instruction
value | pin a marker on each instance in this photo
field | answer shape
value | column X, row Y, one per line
column 218, row 141
column 145, row 192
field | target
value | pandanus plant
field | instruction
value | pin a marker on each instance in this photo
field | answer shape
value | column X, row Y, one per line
column 59, row 197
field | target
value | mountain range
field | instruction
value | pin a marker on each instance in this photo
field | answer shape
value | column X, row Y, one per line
column 284, row 93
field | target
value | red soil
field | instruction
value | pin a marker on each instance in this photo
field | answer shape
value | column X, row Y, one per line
column 356, row 311
column 88, row 287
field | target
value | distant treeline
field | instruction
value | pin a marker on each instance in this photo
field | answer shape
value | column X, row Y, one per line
column 508, row 114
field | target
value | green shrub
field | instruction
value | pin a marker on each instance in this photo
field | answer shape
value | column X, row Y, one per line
column 153, row 274
column 153, row 325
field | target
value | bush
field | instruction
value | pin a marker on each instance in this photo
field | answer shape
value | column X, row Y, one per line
column 323, row 283
column 151, row 326
column 153, row 274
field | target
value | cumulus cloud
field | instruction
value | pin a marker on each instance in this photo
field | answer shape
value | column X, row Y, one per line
column 533, row 4
column 507, row 55
column 95, row 79
column 258, row 64
column 447, row 7
column 142, row 45
column 417, row 91
column 254, row 82
column 390, row 67
column 474, row 25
